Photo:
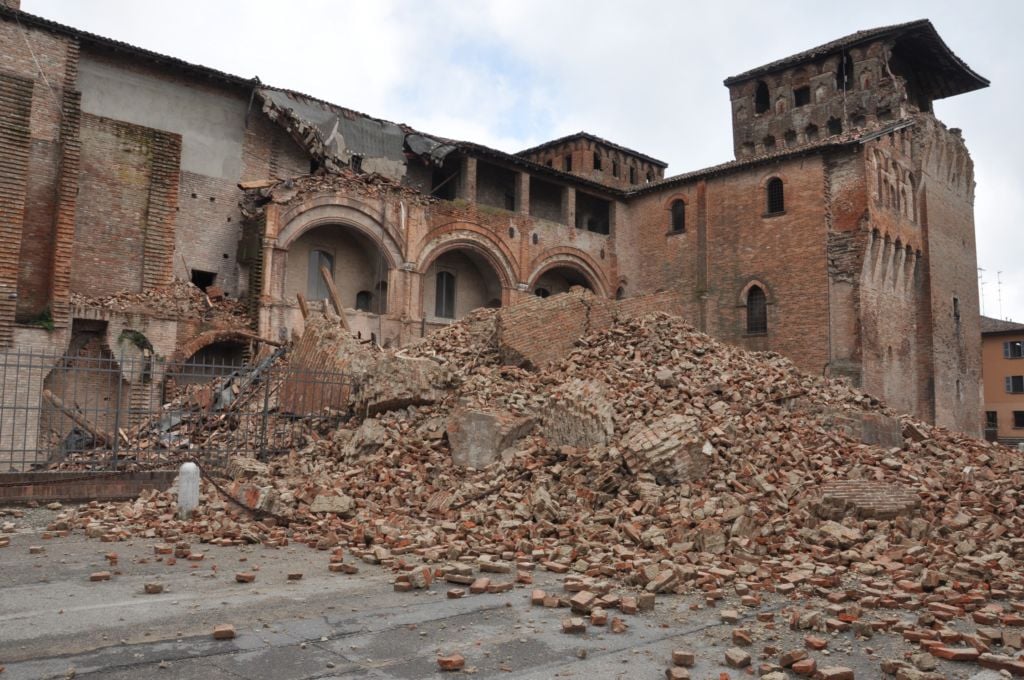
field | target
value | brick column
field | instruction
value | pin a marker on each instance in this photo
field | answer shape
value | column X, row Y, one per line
column 523, row 193
column 15, row 144
column 569, row 206
column 467, row 180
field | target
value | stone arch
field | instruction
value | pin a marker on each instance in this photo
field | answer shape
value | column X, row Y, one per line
column 203, row 340
column 327, row 210
column 576, row 260
column 760, row 284
column 467, row 236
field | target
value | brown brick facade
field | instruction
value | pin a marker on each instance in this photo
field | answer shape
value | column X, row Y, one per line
column 105, row 192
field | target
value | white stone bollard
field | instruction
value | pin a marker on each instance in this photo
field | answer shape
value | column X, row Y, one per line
column 188, row 490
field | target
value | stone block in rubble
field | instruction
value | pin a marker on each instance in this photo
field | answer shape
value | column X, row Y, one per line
column 672, row 449
column 867, row 427
column 338, row 505
column 579, row 414
column 477, row 438
column 864, row 499
column 365, row 441
column 254, row 497
column 396, row 382
column 242, row 467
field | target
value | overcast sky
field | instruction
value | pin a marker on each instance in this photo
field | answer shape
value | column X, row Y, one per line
column 647, row 75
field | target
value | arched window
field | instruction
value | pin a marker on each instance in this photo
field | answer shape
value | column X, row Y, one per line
column 363, row 299
column 542, row 292
column 757, row 310
column 678, row 216
column 776, row 202
column 315, row 286
column 761, row 97
column 444, row 295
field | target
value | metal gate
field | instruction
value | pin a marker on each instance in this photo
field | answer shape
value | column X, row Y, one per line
column 95, row 411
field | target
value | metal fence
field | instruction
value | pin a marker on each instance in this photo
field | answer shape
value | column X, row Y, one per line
column 93, row 411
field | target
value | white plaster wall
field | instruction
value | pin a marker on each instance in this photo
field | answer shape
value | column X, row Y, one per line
column 211, row 125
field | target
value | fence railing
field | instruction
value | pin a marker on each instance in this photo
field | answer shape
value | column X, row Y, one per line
column 91, row 410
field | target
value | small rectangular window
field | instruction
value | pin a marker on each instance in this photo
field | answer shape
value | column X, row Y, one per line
column 1014, row 349
column 632, row 175
column 615, row 168
column 991, row 419
column 597, row 161
column 802, row 96
column 1018, row 419
column 956, row 309
column 444, row 295
column 567, row 163
column 1015, row 384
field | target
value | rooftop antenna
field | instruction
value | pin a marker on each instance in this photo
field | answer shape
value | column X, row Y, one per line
column 981, row 283
column 999, row 292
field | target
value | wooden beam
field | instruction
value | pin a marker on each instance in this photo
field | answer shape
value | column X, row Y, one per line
column 303, row 307
column 102, row 438
column 335, row 298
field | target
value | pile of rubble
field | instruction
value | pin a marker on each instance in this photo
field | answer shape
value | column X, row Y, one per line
column 651, row 458
column 179, row 300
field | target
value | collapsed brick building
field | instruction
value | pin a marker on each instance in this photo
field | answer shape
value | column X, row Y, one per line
column 842, row 235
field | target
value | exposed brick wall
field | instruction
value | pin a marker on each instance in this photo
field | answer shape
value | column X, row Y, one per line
column 43, row 487
column 538, row 331
column 162, row 204
column 67, row 196
column 127, row 194
column 269, row 152
column 730, row 243
column 947, row 181
column 208, row 228
column 36, row 256
column 15, row 152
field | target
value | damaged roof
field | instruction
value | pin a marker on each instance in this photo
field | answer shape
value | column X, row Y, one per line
column 941, row 72
column 335, row 134
column 592, row 138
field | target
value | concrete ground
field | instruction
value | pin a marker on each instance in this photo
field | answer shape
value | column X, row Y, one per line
column 55, row 623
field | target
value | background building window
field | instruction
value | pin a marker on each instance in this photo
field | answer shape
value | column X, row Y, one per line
column 678, row 217
column 316, row 288
column 1018, row 419
column 1014, row 349
column 1015, row 384
column 757, row 311
column 444, row 295
column 776, row 202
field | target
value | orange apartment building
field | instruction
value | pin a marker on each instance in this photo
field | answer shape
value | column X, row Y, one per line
column 1002, row 365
